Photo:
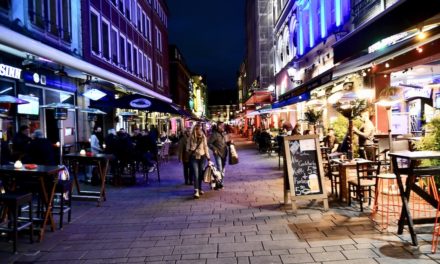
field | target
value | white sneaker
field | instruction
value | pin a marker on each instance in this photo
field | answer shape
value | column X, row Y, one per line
column 151, row 169
column 201, row 192
column 196, row 194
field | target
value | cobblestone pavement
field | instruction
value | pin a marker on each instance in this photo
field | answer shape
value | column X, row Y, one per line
column 244, row 223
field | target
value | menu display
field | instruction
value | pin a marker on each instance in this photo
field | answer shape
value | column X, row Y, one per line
column 304, row 169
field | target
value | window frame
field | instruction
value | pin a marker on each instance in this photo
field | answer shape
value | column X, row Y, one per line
column 127, row 49
column 92, row 10
column 115, row 29
column 123, row 66
column 158, row 39
column 148, row 24
column 141, row 64
column 135, row 63
column 104, row 20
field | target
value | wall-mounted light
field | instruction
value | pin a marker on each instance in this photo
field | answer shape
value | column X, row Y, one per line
column 419, row 49
column 94, row 94
column 387, row 65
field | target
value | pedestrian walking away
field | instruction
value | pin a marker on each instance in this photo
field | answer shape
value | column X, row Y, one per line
column 183, row 156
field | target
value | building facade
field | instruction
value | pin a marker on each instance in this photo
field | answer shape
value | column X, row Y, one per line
column 180, row 77
column 61, row 50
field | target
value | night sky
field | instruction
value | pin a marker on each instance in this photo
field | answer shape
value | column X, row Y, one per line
column 211, row 37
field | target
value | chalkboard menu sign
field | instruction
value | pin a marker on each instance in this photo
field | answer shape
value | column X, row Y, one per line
column 304, row 168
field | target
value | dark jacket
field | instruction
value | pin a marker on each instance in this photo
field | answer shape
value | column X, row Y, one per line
column 41, row 152
column 217, row 143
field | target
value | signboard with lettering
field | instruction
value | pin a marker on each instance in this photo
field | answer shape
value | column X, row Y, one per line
column 9, row 71
column 304, row 169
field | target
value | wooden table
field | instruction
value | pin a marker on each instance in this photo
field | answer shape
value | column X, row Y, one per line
column 347, row 170
column 46, row 177
column 412, row 171
column 100, row 160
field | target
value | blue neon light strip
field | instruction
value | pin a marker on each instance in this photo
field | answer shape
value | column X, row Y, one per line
column 323, row 22
column 311, row 35
column 338, row 12
column 300, row 34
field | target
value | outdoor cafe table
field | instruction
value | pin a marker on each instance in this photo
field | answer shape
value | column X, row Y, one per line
column 101, row 161
column 412, row 171
column 45, row 176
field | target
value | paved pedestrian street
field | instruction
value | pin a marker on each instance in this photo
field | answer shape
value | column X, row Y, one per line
column 244, row 223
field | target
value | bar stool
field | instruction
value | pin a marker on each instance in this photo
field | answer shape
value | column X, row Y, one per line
column 333, row 175
column 386, row 199
column 13, row 203
column 63, row 191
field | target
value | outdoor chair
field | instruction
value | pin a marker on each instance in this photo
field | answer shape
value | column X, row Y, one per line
column 164, row 152
column 365, row 181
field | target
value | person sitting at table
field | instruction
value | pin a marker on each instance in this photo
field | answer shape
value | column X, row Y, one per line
column 163, row 136
column 95, row 145
column 20, row 143
column 330, row 141
column 264, row 143
column 146, row 150
column 110, row 141
column 40, row 150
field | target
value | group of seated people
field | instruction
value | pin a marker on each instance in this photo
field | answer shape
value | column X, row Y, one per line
column 138, row 147
column 34, row 148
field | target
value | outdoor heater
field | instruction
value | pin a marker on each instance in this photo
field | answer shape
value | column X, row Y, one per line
column 127, row 117
column 61, row 110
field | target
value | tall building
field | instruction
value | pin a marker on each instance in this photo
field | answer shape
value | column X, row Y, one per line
column 259, row 42
column 180, row 77
column 77, row 52
column 259, row 55
column 128, row 38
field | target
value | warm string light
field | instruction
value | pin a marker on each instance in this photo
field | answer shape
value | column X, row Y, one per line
column 419, row 49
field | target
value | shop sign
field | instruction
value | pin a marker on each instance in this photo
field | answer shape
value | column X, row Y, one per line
column 412, row 93
column 9, row 71
column 386, row 42
column 140, row 103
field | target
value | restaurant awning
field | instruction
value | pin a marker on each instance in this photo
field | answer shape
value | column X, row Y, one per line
column 259, row 97
column 404, row 46
column 401, row 16
column 144, row 103
column 293, row 100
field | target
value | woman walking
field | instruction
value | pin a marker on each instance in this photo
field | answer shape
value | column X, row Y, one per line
column 198, row 148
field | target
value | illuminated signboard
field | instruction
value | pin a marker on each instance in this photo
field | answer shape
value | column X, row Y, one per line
column 411, row 93
column 9, row 71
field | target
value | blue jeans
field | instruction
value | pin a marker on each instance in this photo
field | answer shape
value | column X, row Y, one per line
column 220, row 163
column 198, row 166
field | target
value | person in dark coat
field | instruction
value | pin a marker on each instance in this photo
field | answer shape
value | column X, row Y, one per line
column 110, row 142
column 40, row 151
column 20, row 142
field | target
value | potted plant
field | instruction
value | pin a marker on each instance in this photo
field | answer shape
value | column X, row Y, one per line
column 350, row 108
column 313, row 117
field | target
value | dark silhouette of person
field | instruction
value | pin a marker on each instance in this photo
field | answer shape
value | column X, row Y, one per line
column 40, row 151
column 20, row 142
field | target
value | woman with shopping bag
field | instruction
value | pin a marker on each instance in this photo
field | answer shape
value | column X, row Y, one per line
column 197, row 146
